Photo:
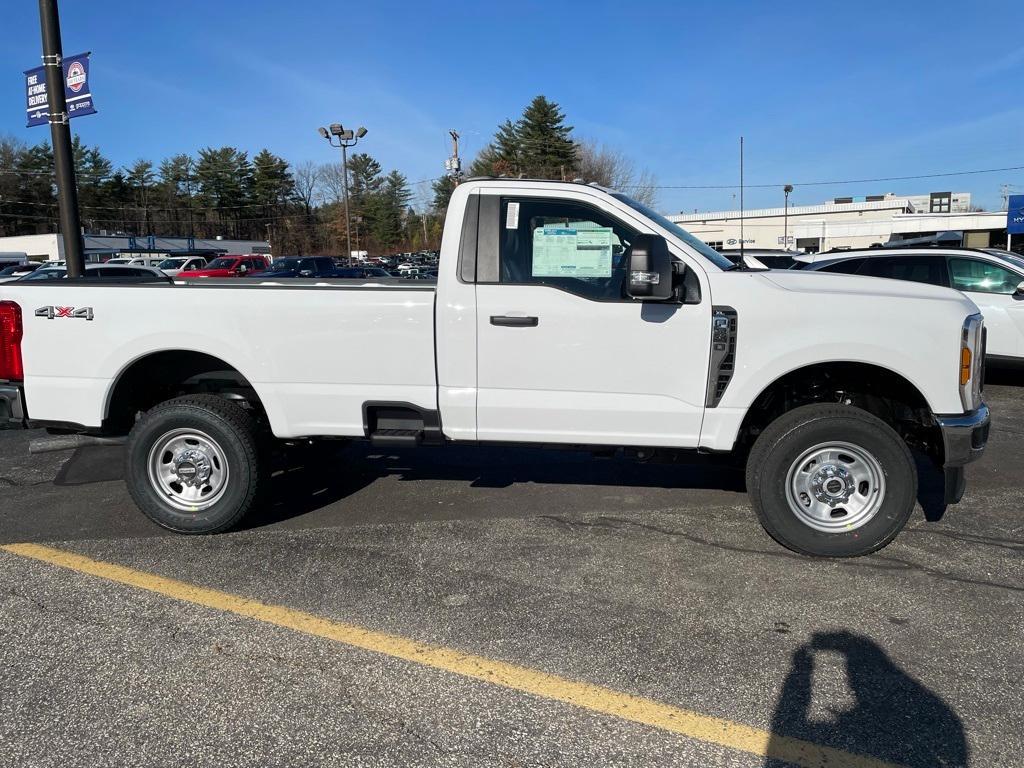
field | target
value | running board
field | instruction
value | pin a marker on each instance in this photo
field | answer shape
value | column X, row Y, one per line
column 396, row 438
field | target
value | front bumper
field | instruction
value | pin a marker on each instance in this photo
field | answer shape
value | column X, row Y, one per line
column 12, row 407
column 964, row 437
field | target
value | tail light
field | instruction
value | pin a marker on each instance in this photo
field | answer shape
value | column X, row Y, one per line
column 11, row 367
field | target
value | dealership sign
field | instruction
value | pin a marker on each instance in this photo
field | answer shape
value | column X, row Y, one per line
column 1015, row 215
column 76, row 89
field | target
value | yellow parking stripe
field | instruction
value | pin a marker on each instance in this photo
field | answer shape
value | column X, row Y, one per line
column 595, row 698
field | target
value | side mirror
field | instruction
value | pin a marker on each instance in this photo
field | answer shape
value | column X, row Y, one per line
column 1019, row 291
column 650, row 269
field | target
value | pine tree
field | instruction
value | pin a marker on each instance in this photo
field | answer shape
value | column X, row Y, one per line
column 442, row 188
column 538, row 145
column 547, row 149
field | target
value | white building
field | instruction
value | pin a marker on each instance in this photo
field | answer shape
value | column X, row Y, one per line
column 102, row 247
column 849, row 223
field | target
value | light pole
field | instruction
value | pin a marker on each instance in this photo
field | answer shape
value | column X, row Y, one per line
column 785, row 218
column 346, row 139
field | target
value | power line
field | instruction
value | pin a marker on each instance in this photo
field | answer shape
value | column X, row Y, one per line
column 834, row 182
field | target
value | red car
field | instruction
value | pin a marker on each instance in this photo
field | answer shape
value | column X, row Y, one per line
column 232, row 266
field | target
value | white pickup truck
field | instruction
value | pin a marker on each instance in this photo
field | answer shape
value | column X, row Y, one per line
column 563, row 315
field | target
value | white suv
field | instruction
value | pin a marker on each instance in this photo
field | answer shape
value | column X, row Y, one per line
column 993, row 279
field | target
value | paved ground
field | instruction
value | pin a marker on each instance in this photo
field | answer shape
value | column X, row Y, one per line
column 653, row 581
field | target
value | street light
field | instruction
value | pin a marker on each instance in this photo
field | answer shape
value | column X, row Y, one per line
column 785, row 218
column 346, row 139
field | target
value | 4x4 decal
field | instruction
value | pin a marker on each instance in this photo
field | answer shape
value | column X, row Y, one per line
column 78, row 313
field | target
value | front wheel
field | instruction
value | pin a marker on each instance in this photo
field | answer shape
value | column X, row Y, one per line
column 193, row 464
column 831, row 481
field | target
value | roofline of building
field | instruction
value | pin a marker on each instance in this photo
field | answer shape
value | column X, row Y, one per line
column 796, row 210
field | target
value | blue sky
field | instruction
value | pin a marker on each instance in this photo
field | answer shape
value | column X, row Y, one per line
column 820, row 91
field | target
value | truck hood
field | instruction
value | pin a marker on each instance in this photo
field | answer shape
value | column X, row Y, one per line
column 835, row 283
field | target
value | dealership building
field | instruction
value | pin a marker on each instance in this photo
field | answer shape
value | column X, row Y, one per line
column 848, row 222
column 103, row 247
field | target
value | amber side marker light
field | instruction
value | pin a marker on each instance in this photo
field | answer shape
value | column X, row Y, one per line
column 965, row 365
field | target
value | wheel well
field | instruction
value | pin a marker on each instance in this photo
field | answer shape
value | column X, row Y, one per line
column 162, row 375
column 877, row 390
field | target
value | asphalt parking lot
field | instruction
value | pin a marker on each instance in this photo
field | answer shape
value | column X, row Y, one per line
column 505, row 608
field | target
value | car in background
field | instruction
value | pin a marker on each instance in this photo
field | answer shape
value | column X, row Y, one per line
column 12, row 259
column 771, row 258
column 103, row 271
column 146, row 261
column 298, row 266
column 993, row 281
column 174, row 266
column 233, row 266
column 125, row 260
column 363, row 273
column 17, row 271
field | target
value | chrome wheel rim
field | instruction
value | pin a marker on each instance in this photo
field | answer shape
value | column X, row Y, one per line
column 188, row 470
column 835, row 487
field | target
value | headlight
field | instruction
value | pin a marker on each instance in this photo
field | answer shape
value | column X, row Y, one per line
column 972, row 361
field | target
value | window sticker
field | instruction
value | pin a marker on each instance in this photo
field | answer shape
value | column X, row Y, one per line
column 512, row 216
column 570, row 252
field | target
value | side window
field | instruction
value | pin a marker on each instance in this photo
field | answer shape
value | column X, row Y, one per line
column 848, row 267
column 982, row 277
column 916, row 269
column 565, row 245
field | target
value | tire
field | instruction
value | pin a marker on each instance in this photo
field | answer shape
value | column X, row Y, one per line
column 194, row 465
column 845, row 502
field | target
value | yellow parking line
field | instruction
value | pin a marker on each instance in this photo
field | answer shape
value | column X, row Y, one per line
column 595, row 698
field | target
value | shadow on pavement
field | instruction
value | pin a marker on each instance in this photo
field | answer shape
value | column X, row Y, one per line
column 310, row 478
column 884, row 714
column 313, row 478
column 998, row 374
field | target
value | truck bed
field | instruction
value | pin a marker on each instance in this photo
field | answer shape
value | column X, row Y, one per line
column 310, row 348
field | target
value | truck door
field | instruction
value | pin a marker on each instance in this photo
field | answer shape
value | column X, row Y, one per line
column 563, row 356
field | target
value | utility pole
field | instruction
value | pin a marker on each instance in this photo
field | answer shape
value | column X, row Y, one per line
column 785, row 218
column 1004, row 191
column 454, row 163
column 741, row 199
column 60, row 136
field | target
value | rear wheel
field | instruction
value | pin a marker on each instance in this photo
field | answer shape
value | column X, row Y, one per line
column 193, row 464
column 831, row 481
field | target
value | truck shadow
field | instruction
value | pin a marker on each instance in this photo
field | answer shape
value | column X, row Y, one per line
column 844, row 691
column 315, row 478
column 311, row 479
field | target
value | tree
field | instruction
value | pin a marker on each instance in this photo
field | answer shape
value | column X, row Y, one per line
column 546, row 147
column 442, row 189
column 141, row 179
column 538, row 145
column 504, row 156
column 272, row 182
column 175, row 188
column 611, row 168
column 224, row 177
column 387, row 209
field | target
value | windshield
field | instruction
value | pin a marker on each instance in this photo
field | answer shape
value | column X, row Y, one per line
column 1008, row 256
column 288, row 265
column 45, row 274
column 700, row 246
column 221, row 264
column 171, row 264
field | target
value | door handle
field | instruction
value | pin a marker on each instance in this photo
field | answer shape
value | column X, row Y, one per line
column 515, row 321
